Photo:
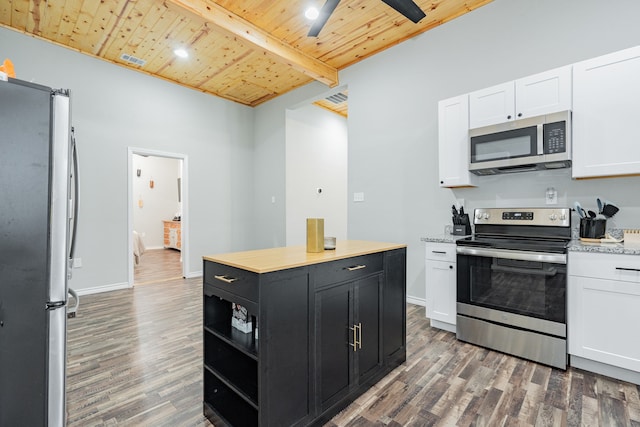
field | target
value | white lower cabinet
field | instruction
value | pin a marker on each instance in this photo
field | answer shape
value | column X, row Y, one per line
column 604, row 313
column 440, row 272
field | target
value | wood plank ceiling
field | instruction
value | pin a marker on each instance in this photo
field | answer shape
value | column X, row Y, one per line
column 247, row 51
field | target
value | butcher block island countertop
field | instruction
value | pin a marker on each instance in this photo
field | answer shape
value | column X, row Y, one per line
column 275, row 259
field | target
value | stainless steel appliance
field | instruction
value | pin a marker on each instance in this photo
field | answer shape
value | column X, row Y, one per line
column 512, row 283
column 534, row 143
column 36, row 217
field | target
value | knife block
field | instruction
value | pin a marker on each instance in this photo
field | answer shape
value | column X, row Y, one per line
column 461, row 225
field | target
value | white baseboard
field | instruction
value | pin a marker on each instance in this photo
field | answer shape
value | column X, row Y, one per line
column 100, row 289
column 605, row 369
column 194, row 274
column 416, row 301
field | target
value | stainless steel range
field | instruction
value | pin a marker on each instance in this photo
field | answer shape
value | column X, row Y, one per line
column 512, row 283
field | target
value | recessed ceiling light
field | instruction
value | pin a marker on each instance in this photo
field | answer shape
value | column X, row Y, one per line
column 181, row 53
column 311, row 13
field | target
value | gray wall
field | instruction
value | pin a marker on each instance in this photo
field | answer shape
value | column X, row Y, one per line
column 114, row 108
column 393, row 154
column 237, row 154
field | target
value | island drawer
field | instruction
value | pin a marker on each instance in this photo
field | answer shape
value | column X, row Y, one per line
column 232, row 280
column 347, row 269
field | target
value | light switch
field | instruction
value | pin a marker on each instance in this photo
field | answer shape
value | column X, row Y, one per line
column 358, row 197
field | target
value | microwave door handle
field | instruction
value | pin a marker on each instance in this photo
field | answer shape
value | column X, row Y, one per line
column 539, row 136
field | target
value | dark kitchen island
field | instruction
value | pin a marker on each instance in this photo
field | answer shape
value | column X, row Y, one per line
column 324, row 328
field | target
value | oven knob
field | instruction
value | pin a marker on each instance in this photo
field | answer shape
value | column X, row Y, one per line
column 485, row 215
column 478, row 215
column 563, row 217
column 553, row 217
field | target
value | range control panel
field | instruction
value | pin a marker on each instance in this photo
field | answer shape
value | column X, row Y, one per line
column 518, row 216
column 555, row 217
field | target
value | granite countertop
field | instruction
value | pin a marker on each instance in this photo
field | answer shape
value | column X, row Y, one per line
column 441, row 238
column 275, row 259
column 603, row 248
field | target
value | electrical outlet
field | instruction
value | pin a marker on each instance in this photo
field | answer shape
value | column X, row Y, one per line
column 551, row 196
column 358, row 197
column 77, row 262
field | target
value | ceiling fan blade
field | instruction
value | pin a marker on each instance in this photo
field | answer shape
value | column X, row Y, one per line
column 408, row 8
column 323, row 17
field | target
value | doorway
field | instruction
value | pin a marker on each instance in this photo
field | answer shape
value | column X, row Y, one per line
column 157, row 216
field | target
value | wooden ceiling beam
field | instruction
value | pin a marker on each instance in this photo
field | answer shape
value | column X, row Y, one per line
column 260, row 39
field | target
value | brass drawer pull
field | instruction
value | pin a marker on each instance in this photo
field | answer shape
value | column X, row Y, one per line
column 226, row 279
column 356, row 267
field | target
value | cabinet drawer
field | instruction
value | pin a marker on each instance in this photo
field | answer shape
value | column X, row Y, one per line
column 346, row 269
column 441, row 252
column 620, row 267
column 233, row 280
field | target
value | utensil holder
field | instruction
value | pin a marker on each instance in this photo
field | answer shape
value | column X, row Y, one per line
column 592, row 228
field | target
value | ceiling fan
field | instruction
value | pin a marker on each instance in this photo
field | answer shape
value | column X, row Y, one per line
column 406, row 7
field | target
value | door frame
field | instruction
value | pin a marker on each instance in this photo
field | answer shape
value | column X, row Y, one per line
column 184, row 194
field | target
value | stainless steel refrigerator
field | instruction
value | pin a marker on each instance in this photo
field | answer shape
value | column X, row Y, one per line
column 38, row 191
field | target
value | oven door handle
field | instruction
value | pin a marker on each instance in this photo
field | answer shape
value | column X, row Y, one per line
column 530, row 271
column 513, row 254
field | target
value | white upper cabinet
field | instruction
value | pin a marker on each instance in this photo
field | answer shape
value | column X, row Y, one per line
column 492, row 105
column 606, row 109
column 542, row 93
column 453, row 143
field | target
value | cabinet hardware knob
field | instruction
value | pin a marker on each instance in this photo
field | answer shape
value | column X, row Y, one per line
column 451, row 267
column 356, row 267
column 509, row 117
column 226, row 279
column 519, row 114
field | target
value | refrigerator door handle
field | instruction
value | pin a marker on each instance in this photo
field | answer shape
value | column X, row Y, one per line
column 76, row 194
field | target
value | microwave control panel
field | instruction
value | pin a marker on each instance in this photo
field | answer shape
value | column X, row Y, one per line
column 555, row 140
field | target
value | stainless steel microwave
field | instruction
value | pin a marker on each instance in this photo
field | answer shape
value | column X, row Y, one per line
column 534, row 143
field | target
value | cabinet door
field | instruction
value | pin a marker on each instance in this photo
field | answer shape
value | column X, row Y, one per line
column 492, row 105
column 367, row 305
column 602, row 314
column 441, row 291
column 334, row 342
column 544, row 93
column 606, row 91
column 453, row 143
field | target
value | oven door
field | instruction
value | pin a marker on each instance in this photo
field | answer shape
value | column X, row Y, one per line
column 518, row 288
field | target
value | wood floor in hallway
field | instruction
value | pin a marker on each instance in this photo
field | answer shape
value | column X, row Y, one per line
column 135, row 359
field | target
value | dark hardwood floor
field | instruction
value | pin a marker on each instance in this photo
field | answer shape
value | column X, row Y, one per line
column 135, row 359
